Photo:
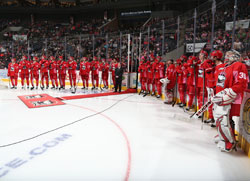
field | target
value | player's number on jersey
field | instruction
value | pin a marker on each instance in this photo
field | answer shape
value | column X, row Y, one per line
column 242, row 75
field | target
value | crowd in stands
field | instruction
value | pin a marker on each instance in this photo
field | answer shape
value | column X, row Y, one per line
column 48, row 37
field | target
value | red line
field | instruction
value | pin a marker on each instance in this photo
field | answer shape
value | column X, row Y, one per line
column 123, row 133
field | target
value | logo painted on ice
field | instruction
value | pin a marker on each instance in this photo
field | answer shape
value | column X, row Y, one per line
column 17, row 162
column 246, row 116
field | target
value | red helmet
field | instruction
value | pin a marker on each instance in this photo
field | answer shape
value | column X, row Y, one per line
column 13, row 59
column 217, row 53
column 43, row 57
column 24, row 57
column 183, row 57
column 178, row 61
column 204, row 52
column 35, row 58
column 52, row 58
column 60, row 57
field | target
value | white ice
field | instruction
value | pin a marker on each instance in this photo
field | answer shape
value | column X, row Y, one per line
column 135, row 139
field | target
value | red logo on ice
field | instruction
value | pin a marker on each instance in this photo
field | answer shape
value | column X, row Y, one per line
column 40, row 100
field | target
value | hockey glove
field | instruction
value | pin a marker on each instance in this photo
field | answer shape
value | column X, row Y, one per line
column 224, row 97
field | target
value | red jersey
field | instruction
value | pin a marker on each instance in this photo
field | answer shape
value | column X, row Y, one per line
column 53, row 67
column 84, row 68
column 24, row 66
column 113, row 67
column 13, row 69
column 142, row 70
column 72, row 67
column 150, row 73
column 62, row 67
column 191, row 72
column 206, row 67
column 180, row 70
column 95, row 67
column 105, row 68
column 34, row 67
column 158, row 70
column 171, row 75
column 234, row 76
column 44, row 66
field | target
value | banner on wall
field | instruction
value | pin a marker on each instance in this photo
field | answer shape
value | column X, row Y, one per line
column 244, row 24
column 198, row 47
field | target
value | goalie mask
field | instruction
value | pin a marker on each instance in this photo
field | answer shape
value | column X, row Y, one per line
column 232, row 56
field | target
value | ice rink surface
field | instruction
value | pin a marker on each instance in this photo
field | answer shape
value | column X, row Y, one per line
column 122, row 137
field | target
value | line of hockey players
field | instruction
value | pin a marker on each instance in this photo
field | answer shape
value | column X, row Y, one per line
column 43, row 69
column 221, row 81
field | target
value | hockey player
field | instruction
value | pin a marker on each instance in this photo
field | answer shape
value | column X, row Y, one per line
column 143, row 75
column 53, row 72
column 205, row 68
column 158, row 74
column 13, row 69
column 62, row 72
column 170, row 80
column 95, row 73
column 72, row 72
column 191, row 80
column 231, row 83
column 181, row 81
column 24, row 66
column 34, row 71
column 112, row 68
column 44, row 72
column 84, row 72
column 216, row 57
column 150, row 76
column 105, row 73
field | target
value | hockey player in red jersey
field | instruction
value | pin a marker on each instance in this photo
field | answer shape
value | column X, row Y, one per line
column 191, row 80
column 143, row 75
column 53, row 72
column 113, row 66
column 44, row 72
column 105, row 73
column 169, row 81
column 158, row 69
column 24, row 67
column 181, row 81
column 205, row 68
column 95, row 66
column 13, row 69
column 62, row 67
column 230, row 86
column 216, row 57
column 72, row 72
column 34, row 71
column 84, row 72
column 150, row 76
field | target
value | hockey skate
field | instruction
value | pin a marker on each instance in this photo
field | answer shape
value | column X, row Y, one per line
column 32, row 88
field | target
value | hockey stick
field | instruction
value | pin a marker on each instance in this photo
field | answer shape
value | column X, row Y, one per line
column 174, row 102
column 202, row 109
column 203, row 98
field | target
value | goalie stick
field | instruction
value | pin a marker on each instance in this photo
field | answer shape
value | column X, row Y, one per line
column 203, row 108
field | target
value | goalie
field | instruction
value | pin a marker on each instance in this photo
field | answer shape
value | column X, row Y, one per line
column 230, row 86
